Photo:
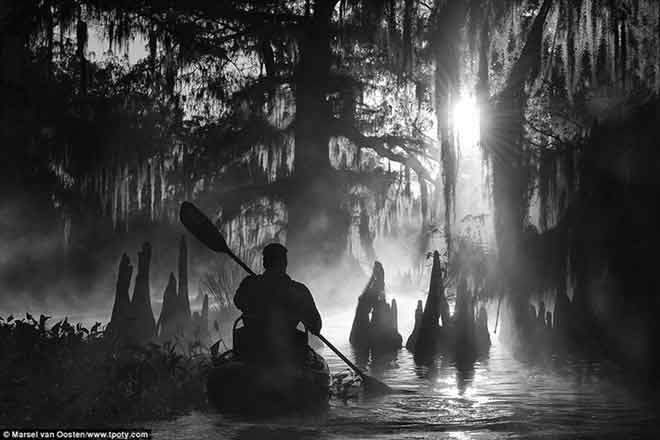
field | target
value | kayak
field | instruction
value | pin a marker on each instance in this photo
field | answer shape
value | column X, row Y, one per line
column 238, row 386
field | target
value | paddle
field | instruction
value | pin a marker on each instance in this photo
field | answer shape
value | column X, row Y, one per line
column 205, row 231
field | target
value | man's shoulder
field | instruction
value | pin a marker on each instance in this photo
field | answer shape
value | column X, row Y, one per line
column 250, row 281
column 299, row 287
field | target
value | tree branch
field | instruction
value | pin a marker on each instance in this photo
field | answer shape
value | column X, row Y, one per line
column 381, row 145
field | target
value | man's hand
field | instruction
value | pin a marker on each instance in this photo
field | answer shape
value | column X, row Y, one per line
column 313, row 329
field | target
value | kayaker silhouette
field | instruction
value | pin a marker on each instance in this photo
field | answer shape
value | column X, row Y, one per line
column 273, row 305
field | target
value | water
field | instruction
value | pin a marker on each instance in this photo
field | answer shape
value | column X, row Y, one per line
column 497, row 397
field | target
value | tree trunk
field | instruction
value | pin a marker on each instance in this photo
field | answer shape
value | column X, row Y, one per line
column 511, row 161
column 317, row 223
column 446, row 75
column 407, row 61
column 81, row 42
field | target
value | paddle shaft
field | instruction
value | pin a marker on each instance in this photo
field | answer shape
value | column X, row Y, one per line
column 240, row 262
column 341, row 356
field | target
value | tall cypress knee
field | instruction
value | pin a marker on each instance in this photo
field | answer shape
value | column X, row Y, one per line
column 144, row 323
column 429, row 327
column 117, row 328
column 411, row 343
column 167, row 321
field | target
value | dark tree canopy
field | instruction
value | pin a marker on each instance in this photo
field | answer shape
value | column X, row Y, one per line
column 328, row 125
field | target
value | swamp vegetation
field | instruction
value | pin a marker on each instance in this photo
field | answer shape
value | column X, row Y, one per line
column 69, row 375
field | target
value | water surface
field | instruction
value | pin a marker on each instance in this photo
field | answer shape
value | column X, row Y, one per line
column 495, row 397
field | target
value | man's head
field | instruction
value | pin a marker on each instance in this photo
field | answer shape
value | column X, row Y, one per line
column 275, row 257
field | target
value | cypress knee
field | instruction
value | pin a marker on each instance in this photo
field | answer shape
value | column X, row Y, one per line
column 412, row 339
column 166, row 325
column 362, row 328
column 428, row 331
column 144, row 325
column 394, row 326
column 117, row 328
column 395, row 316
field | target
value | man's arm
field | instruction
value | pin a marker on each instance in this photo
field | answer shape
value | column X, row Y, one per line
column 310, row 315
column 244, row 297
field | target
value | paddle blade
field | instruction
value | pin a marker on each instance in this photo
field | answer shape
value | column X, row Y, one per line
column 202, row 228
column 374, row 387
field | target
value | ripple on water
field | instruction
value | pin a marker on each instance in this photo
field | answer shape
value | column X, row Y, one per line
column 497, row 397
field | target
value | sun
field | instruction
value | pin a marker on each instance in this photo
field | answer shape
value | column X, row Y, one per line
column 465, row 120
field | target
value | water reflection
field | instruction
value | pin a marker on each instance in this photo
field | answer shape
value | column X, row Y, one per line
column 464, row 377
column 430, row 368
column 360, row 357
column 493, row 396
column 381, row 362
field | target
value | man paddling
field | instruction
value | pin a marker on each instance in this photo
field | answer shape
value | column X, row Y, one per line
column 273, row 304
